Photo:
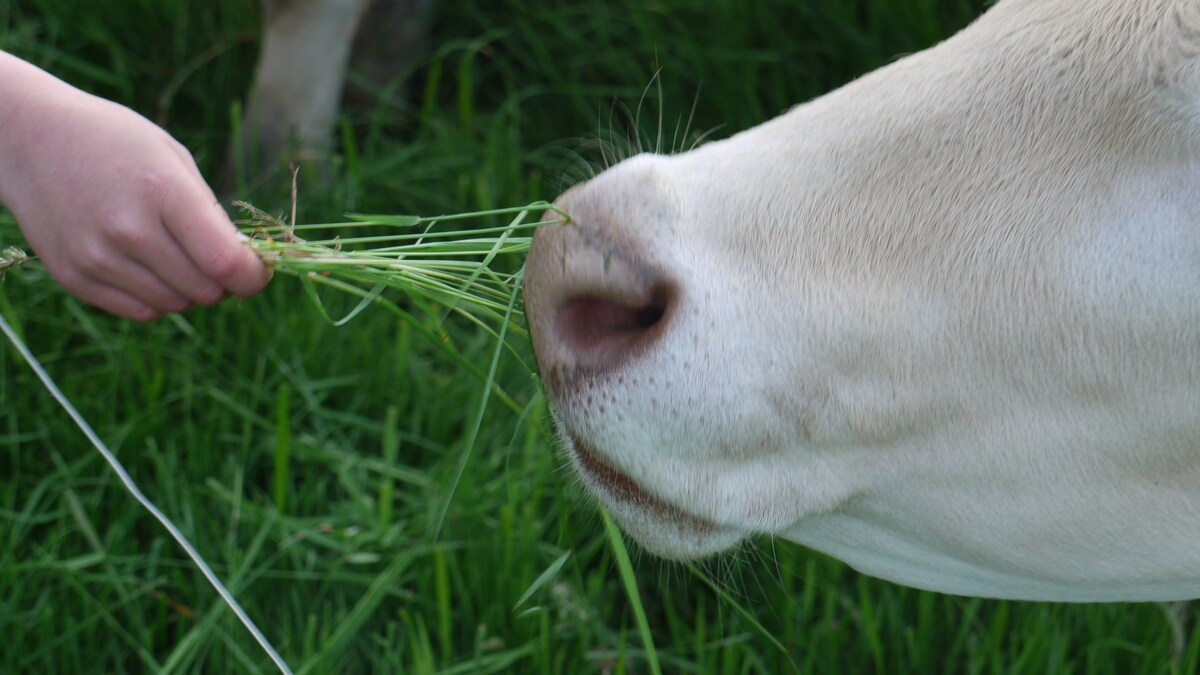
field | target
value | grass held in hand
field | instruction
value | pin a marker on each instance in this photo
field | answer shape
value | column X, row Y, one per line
column 441, row 264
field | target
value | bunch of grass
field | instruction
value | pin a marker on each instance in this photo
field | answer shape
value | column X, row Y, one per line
column 441, row 271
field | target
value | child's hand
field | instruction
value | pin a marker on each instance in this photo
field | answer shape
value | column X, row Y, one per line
column 114, row 207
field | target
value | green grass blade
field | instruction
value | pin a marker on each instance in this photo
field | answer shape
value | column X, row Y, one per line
column 376, row 219
column 749, row 617
column 343, row 637
column 543, row 579
column 629, row 580
column 391, row 450
column 469, row 442
column 283, row 447
column 311, row 291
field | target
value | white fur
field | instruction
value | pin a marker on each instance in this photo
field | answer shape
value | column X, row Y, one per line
column 942, row 323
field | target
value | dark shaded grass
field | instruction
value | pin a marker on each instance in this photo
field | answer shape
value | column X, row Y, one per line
column 309, row 463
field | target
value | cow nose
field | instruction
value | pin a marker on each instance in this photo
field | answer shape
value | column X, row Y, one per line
column 595, row 331
column 593, row 302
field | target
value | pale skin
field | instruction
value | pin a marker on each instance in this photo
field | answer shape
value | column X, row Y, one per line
column 112, row 204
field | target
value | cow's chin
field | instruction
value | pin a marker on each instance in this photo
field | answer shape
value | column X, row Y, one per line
column 660, row 527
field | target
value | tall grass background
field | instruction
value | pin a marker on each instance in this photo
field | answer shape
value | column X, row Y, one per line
column 312, row 464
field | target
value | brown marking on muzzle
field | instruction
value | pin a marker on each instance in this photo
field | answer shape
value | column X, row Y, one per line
column 621, row 487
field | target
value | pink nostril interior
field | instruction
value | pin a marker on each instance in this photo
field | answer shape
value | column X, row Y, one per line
column 598, row 329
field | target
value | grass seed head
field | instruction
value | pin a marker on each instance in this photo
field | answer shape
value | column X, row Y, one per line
column 12, row 257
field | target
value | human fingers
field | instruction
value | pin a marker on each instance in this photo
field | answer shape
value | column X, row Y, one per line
column 109, row 298
column 115, row 301
column 136, row 280
column 166, row 259
column 203, row 230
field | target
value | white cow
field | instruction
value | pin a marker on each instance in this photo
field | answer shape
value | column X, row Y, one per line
column 942, row 323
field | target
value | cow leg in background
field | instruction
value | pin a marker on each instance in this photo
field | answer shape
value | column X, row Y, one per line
column 297, row 83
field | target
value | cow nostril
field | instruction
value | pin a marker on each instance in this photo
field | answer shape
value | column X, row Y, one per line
column 599, row 330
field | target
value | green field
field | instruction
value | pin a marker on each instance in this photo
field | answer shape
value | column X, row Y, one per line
column 312, row 465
